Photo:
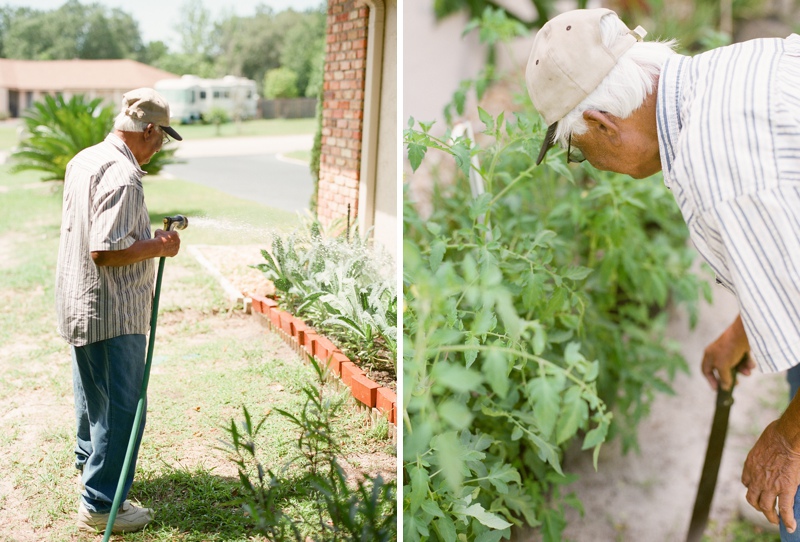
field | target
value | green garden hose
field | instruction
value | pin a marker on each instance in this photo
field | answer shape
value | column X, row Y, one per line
column 178, row 222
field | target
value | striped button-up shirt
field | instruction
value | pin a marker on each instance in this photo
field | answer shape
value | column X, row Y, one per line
column 103, row 210
column 729, row 137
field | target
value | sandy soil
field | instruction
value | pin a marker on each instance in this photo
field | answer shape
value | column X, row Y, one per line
column 649, row 496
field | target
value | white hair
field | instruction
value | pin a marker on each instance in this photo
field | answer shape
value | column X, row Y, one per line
column 124, row 123
column 626, row 86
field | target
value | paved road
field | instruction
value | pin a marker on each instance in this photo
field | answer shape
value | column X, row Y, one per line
column 249, row 168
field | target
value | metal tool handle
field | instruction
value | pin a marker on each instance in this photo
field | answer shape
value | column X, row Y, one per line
column 716, row 443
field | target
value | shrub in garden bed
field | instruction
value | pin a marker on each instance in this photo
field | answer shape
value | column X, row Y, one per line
column 344, row 288
column 535, row 318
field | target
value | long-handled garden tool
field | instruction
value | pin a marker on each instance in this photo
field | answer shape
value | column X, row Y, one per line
column 177, row 222
column 708, row 478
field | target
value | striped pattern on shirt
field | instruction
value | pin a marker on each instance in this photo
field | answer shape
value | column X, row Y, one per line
column 103, row 210
column 729, row 137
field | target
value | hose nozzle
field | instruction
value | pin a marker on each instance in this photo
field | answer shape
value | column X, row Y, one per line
column 177, row 222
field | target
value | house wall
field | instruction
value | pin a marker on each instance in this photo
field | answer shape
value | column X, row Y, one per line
column 342, row 109
column 382, row 211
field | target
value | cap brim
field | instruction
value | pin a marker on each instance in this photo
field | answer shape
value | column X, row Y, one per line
column 549, row 142
column 172, row 133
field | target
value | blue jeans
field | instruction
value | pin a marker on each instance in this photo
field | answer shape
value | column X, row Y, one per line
column 793, row 376
column 107, row 379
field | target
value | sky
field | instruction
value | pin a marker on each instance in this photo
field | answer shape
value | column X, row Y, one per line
column 156, row 18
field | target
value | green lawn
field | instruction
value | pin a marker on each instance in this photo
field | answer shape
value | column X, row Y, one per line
column 209, row 360
column 8, row 135
column 261, row 127
column 304, row 156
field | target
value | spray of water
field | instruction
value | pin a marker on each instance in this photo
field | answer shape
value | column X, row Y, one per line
column 232, row 226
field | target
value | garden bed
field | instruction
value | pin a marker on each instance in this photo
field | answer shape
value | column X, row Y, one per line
column 373, row 386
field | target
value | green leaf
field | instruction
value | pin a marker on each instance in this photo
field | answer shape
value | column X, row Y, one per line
column 577, row 272
column 446, row 528
column 486, row 118
column 595, row 436
column 449, row 454
column 471, row 355
column 539, row 339
column 461, row 152
column 545, row 398
column 573, row 415
column 490, row 536
column 502, row 474
column 416, row 152
column 486, row 518
column 547, row 452
column 419, row 487
column 480, row 205
column 495, row 369
column 438, row 248
column 456, row 414
column 432, row 508
column 572, row 354
column 457, row 378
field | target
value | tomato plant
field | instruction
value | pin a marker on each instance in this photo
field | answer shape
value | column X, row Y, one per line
column 534, row 318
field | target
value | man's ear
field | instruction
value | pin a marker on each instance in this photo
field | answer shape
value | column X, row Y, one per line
column 604, row 125
column 149, row 131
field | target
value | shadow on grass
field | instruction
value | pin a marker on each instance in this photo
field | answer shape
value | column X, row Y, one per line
column 197, row 504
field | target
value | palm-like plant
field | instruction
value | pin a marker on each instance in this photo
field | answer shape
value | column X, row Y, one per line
column 57, row 129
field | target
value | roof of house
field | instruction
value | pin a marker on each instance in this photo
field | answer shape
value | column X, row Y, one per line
column 78, row 74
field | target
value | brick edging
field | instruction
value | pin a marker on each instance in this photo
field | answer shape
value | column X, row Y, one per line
column 377, row 399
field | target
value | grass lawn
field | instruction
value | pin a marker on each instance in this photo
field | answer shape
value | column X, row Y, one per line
column 8, row 134
column 304, row 156
column 260, row 127
column 208, row 362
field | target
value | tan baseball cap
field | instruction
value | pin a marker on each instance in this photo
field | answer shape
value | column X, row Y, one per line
column 568, row 61
column 147, row 105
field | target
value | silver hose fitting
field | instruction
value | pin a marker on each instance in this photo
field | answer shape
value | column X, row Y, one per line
column 177, row 222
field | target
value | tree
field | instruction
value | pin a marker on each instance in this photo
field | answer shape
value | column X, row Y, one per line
column 74, row 30
column 280, row 83
column 303, row 44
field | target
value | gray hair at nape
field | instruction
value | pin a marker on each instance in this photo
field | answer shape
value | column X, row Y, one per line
column 628, row 84
column 124, row 123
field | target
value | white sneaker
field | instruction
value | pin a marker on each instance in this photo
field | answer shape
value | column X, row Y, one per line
column 130, row 518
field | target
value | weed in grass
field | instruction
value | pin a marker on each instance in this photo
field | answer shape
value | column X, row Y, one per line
column 742, row 531
column 309, row 495
column 197, row 503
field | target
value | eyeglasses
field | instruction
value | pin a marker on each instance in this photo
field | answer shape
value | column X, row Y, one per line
column 574, row 156
column 166, row 139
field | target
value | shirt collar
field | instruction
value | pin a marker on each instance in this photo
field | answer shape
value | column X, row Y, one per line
column 120, row 145
column 668, row 111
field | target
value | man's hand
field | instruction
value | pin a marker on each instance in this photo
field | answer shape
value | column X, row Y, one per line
column 170, row 242
column 164, row 243
column 772, row 470
column 721, row 356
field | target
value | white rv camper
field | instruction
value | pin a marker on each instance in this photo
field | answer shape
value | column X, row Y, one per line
column 191, row 98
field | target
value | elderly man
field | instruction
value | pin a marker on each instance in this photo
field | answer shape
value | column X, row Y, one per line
column 104, row 289
column 724, row 127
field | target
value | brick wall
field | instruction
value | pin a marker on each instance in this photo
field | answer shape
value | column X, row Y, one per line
column 342, row 109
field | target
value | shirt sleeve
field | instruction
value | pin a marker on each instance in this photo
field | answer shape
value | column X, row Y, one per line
column 114, row 219
column 759, row 235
